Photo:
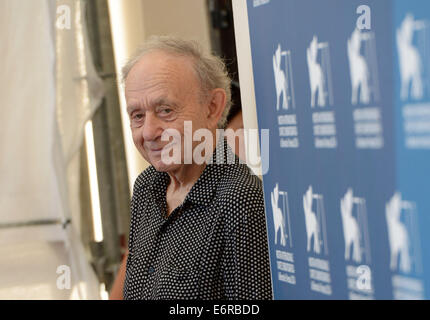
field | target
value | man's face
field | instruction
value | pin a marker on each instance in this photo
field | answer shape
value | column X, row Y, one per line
column 162, row 92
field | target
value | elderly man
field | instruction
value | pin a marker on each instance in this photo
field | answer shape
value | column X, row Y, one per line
column 198, row 230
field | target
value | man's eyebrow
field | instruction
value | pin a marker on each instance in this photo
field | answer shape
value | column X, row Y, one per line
column 163, row 101
column 130, row 109
column 154, row 103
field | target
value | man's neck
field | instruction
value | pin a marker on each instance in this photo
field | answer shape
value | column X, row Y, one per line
column 187, row 175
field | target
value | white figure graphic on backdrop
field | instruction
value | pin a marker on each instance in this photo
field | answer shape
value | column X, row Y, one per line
column 281, row 216
column 313, row 228
column 359, row 70
column 353, row 235
column 319, row 73
column 283, row 79
column 278, row 217
column 398, row 234
column 410, row 60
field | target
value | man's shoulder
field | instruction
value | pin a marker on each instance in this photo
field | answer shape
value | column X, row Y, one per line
column 145, row 178
column 240, row 194
column 238, row 177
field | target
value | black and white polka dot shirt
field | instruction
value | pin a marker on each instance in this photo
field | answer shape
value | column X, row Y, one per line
column 212, row 246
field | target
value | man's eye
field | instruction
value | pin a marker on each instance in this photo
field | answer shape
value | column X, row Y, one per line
column 137, row 116
column 166, row 110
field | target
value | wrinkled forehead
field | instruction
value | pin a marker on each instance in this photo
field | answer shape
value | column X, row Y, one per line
column 159, row 74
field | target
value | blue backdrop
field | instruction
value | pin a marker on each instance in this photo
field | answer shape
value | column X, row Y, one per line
column 345, row 91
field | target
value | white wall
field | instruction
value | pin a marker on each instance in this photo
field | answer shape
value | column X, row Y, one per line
column 246, row 79
column 187, row 19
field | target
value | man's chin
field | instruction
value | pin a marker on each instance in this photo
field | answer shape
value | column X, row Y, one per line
column 159, row 165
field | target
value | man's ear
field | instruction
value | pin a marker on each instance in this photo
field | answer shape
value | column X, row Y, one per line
column 217, row 101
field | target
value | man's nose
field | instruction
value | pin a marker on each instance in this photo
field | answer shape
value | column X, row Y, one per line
column 151, row 128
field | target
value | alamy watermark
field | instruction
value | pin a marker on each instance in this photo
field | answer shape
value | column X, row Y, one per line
column 179, row 149
column 64, row 19
column 64, row 278
column 364, row 21
column 364, row 279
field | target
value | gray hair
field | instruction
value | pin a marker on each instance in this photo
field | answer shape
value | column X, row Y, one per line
column 211, row 71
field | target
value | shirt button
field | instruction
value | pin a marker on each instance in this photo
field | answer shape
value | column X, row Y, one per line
column 151, row 269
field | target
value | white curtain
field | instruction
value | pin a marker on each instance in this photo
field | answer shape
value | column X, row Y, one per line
column 48, row 90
